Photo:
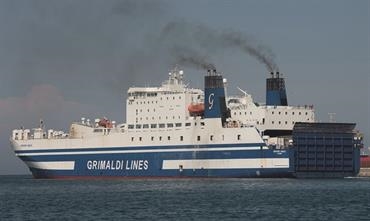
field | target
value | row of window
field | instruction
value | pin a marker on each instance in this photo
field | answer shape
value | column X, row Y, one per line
column 286, row 122
column 152, row 102
column 159, row 117
column 169, row 125
column 181, row 138
column 286, row 113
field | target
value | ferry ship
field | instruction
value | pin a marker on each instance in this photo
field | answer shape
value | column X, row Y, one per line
column 171, row 131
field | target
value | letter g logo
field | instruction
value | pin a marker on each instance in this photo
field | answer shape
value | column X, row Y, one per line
column 210, row 101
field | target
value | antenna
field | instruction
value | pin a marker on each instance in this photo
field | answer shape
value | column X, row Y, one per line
column 41, row 123
column 244, row 92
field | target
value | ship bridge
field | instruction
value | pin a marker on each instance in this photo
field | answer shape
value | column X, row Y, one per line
column 165, row 104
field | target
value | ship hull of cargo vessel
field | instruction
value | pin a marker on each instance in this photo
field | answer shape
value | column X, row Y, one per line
column 160, row 162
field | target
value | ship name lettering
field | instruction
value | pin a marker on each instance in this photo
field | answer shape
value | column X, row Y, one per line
column 117, row 165
column 137, row 165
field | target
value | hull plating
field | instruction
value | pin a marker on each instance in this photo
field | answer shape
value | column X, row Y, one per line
column 159, row 162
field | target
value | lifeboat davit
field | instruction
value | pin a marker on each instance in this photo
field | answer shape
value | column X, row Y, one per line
column 196, row 109
column 105, row 123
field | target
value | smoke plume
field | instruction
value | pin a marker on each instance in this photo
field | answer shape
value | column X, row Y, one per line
column 207, row 41
column 261, row 52
column 189, row 57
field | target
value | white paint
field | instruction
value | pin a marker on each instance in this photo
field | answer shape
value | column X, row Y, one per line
column 226, row 164
column 52, row 165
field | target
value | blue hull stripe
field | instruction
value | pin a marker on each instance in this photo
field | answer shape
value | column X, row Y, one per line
column 140, row 148
column 149, row 162
column 152, row 164
column 140, row 151
column 219, row 154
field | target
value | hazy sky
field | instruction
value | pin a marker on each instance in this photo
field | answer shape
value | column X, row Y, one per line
column 60, row 60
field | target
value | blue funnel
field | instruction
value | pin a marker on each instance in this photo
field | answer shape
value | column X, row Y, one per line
column 275, row 91
column 214, row 97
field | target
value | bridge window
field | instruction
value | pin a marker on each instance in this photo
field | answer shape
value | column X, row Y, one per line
column 153, row 126
column 130, row 126
column 169, row 125
column 161, row 125
column 239, row 136
column 211, row 138
column 160, row 138
column 178, row 124
column 146, row 126
column 132, row 138
column 187, row 124
column 181, row 138
column 169, row 138
column 152, row 138
column 138, row 126
column 140, row 138
column 198, row 138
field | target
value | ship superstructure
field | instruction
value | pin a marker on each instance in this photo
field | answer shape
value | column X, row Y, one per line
column 274, row 118
column 171, row 131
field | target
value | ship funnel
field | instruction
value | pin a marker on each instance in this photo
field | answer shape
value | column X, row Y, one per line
column 214, row 92
column 275, row 91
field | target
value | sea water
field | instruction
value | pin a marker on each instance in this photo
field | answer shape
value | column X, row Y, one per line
column 25, row 198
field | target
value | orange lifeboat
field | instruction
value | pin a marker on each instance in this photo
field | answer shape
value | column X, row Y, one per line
column 105, row 123
column 196, row 109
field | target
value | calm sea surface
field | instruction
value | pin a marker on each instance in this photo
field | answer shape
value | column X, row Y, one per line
column 24, row 198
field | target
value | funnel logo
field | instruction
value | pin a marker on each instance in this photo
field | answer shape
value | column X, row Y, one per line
column 210, row 100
